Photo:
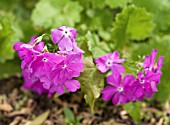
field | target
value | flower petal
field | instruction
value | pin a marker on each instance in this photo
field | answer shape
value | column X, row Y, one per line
column 114, row 79
column 72, row 85
column 117, row 68
column 108, row 92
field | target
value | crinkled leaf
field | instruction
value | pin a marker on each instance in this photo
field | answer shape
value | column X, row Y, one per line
column 55, row 13
column 117, row 3
column 134, row 110
column 10, row 32
column 92, row 82
column 97, row 19
column 95, row 46
column 132, row 24
column 160, row 10
column 162, row 44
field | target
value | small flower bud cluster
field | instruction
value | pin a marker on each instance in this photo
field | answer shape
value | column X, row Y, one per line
column 123, row 90
column 49, row 73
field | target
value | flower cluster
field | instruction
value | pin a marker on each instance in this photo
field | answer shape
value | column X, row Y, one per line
column 129, row 88
column 49, row 73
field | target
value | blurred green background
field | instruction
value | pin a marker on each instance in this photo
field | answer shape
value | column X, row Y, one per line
column 132, row 27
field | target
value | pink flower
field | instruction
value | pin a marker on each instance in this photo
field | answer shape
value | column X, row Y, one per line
column 49, row 73
column 145, row 85
column 26, row 52
column 118, row 89
column 65, row 37
column 110, row 61
column 67, row 69
column 44, row 63
column 149, row 63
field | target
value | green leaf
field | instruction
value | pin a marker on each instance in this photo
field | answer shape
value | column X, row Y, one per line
column 117, row 3
column 98, row 4
column 92, row 82
column 10, row 68
column 69, row 115
column 55, row 13
column 160, row 10
column 95, row 46
column 40, row 119
column 132, row 24
column 134, row 110
column 10, row 33
column 97, row 19
column 162, row 44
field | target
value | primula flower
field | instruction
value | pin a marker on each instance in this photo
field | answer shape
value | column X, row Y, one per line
column 67, row 69
column 65, row 37
column 49, row 73
column 110, row 61
column 145, row 85
column 149, row 63
column 32, row 83
column 43, row 63
column 118, row 89
column 26, row 52
column 76, row 50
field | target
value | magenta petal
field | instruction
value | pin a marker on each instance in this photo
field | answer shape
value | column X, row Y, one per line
column 108, row 92
column 101, row 65
column 114, row 79
column 115, row 55
column 139, row 92
column 147, row 62
column 117, row 68
column 72, row 85
column 160, row 63
column 147, row 86
column 56, row 35
column 76, row 49
column 60, row 89
column 140, row 76
column 115, row 98
column 65, row 44
column 123, row 99
column 153, row 76
column 39, row 47
column 153, row 56
column 128, row 80
column 148, row 94
column 153, row 86
column 32, row 40
column 46, row 82
column 17, row 46
column 73, row 33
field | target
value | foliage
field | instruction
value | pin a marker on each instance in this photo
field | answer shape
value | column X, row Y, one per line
column 134, row 110
column 70, row 118
column 132, row 26
column 59, row 13
column 40, row 119
column 92, row 82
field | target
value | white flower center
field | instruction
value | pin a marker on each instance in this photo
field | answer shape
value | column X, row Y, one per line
column 64, row 66
column 142, row 81
column 108, row 63
column 66, row 32
column 44, row 59
column 120, row 89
